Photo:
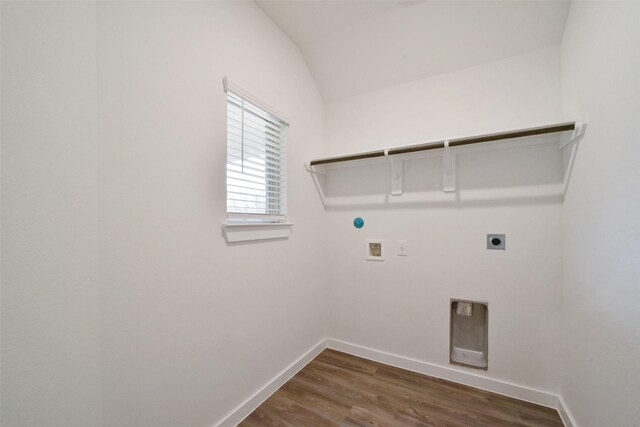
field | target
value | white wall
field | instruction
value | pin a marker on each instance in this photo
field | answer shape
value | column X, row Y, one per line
column 50, row 267
column 192, row 326
column 601, row 220
column 512, row 93
column 401, row 305
column 119, row 290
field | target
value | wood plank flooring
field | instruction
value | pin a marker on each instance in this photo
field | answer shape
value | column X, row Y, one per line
column 337, row 389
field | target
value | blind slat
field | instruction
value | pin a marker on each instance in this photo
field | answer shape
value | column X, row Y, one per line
column 237, row 135
column 270, row 202
column 249, row 150
column 252, row 122
column 252, row 173
column 248, row 180
column 254, row 202
column 238, row 189
column 238, row 164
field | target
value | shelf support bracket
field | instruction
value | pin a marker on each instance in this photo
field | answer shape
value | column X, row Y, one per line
column 314, row 175
column 397, row 173
column 576, row 135
column 448, row 169
column 312, row 169
column 573, row 141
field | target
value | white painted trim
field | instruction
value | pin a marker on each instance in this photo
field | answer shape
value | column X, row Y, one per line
column 256, row 231
column 448, row 373
column 565, row 415
column 249, row 405
column 230, row 86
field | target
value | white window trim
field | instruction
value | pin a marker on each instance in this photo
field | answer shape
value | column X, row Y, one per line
column 234, row 232
column 239, row 228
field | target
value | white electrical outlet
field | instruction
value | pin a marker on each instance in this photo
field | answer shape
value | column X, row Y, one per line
column 403, row 248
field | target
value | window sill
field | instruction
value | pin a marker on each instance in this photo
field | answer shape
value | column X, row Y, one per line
column 235, row 232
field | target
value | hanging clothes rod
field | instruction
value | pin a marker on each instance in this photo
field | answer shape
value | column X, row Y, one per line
column 561, row 127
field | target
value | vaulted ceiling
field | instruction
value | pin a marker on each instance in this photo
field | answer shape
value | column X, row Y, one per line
column 357, row 46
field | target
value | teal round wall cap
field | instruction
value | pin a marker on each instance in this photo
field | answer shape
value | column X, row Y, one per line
column 358, row 222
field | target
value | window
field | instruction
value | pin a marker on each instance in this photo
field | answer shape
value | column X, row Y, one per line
column 256, row 163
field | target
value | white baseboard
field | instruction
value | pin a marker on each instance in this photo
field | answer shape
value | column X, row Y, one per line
column 249, row 405
column 565, row 414
column 448, row 373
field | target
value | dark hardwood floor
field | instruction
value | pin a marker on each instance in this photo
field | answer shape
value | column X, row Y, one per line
column 337, row 389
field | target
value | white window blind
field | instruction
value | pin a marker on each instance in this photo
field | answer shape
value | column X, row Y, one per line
column 256, row 162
